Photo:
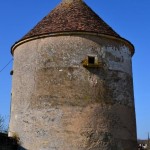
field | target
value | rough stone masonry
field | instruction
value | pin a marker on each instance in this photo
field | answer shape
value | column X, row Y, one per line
column 73, row 89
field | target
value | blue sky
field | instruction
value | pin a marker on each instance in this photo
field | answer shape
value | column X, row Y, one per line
column 129, row 18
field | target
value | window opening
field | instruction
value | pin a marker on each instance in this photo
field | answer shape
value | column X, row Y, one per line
column 91, row 60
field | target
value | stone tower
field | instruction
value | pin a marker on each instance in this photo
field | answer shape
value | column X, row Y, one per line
column 72, row 84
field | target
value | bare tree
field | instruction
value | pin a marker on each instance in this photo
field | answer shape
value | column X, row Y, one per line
column 3, row 127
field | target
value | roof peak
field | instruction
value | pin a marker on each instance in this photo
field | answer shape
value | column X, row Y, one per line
column 70, row 1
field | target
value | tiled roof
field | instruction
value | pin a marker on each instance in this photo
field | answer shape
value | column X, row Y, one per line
column 70, row 17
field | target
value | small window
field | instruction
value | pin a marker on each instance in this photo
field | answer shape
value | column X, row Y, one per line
column 91, row 60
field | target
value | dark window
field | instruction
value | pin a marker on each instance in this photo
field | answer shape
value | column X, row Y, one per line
column 91, row 60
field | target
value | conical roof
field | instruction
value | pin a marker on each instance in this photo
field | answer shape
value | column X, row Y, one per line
column 71, row 16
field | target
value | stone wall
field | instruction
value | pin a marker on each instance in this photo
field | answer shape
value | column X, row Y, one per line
column 61, row 105
column 7, row 143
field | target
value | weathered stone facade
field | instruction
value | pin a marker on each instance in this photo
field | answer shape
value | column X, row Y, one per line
column 58, row 104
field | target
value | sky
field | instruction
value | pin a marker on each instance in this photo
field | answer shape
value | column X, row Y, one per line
column 129, row 18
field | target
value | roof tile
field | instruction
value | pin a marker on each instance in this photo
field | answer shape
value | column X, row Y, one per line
column 69, row 17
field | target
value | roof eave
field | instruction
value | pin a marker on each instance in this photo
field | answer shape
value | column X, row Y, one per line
column 132, row 49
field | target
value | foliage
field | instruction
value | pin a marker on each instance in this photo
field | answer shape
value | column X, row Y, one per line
column 16, row 137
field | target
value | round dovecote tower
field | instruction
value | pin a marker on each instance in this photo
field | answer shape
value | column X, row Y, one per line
column 72, row 84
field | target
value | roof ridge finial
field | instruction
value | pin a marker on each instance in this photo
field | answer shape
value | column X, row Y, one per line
column 70, row 1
